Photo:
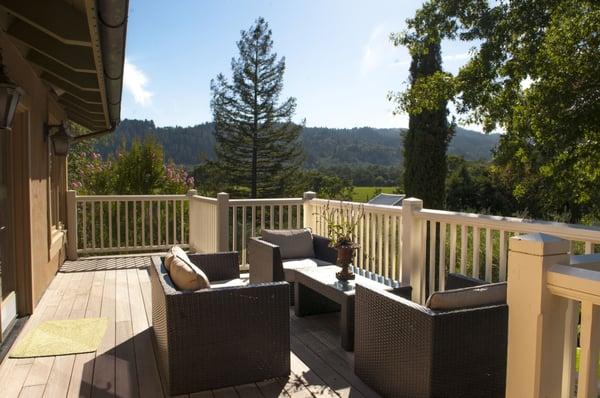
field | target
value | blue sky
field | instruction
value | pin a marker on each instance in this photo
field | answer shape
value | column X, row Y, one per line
column 340, row 62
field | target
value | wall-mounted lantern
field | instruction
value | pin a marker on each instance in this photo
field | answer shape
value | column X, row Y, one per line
column 61, row 139
column 10, row 94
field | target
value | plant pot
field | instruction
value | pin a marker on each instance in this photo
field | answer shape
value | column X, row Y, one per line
column 344, row 259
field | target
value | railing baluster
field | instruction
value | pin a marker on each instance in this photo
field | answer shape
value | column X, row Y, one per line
column 380, row 244
column 253, row 222
column 367, row 265
column 151, row 219
column 142, row 205
column 289, row 216
column 84, row 226
column 386, row 242
column 280, row 226
column 590, row 345
column 234, row 228
column 442, row 260
column 432, row 239
column 503, row 256
column 299, row 217
column 174, row 223
column 118, row 223
column 166, row 222
column 452, row 265
column 93, row 215
column 181, row 222
column 126, row 203
column 244, row 214
column 272, row 217
column 489, row 252
column 262, row 218
column 109, row 203
column 476, row 248
column 101, row 224
column 463, row 249
column 158, row 226
column 394, row 249
column 134, row 219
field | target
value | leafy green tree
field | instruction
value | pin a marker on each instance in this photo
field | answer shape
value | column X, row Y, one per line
column 138, row 171
column 429, row 133
column 257, row 143
column 534, row 73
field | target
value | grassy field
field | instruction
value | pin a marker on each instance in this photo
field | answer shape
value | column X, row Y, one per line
column 364, row 194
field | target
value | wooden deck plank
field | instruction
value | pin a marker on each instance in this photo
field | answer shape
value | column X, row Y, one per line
column 125, row 364
column 83, row 368
column 126, row 373
column 72, row 306
column 147, row 370
column 103, row 382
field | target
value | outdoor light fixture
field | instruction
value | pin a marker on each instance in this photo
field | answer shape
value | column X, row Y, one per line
column 61, row 139
column 10, row 94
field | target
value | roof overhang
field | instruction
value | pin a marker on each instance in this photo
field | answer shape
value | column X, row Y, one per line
column 77, row 47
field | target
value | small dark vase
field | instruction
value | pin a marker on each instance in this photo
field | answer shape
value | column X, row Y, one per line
column 344, row 258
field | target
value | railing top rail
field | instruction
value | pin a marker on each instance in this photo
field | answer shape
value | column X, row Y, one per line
column 366, row 206
column 106, row 198
column 575, row 283
column 205, row 199
column 567, row 231
column 265, row 202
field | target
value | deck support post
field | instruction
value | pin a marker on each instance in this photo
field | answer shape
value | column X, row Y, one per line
column 307, row 216
column 222, row 227
column 413, row 266
column 536, row 326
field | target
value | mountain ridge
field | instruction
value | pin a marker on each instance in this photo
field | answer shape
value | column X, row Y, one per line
column 324, row 147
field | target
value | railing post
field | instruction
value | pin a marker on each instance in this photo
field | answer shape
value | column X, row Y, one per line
column 307, row 217
column 72, row 225
column 222, row 222
column 192, row 217
column 536, row 323
column 413, row 271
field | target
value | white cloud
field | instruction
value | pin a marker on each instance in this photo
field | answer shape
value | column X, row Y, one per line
column 457, row 57
column 372, row 51
column 135, row 81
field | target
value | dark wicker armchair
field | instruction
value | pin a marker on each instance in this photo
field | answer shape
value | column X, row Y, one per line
column 267, row 265
column 218, row 337
column 403, row 349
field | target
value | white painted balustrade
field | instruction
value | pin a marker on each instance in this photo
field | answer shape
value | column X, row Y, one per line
column 104, row 224
column 543, row 282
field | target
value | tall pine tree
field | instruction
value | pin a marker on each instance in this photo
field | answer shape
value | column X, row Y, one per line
column 428, row 136
column 257, row 143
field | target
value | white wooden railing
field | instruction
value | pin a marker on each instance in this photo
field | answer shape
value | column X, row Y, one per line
column 544, row 282
column 126, row 223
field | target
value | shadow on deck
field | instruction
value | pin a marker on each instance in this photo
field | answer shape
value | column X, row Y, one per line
column 118, row 288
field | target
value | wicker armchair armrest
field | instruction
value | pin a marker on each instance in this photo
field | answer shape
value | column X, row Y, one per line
column 218, row 266
column 264, row 259
column 322, row 249
column 399, row 367
column 459, row 281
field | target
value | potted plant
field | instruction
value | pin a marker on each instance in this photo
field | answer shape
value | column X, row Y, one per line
column 341, row 230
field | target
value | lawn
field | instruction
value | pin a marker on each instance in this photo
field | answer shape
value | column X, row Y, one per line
column 364, row 194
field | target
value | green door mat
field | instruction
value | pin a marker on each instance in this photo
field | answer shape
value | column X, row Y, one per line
column 70, row 336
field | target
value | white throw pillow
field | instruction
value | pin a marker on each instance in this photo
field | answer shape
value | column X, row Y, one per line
column 186, row 276
column 174, row 251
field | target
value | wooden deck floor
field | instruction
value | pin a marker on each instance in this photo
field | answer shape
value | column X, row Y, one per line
column 124, row 365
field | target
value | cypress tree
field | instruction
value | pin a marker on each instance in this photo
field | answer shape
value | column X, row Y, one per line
column 256, row 142
column 427, row 139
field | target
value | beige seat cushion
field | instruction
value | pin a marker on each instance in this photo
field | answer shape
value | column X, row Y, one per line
column 293, row 243
column 186, row 276
column 229, row 283
column 290, row 266
column 470, row 297
column 173, row 251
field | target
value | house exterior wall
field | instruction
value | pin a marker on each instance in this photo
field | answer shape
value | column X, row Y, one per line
column 40, row 248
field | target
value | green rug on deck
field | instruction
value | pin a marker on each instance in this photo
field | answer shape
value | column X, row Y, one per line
column 64, row 337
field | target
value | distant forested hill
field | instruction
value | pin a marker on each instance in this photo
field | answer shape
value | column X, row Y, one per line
column 324, row 147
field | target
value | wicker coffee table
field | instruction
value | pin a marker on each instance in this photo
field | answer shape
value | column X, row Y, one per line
column 318, row 291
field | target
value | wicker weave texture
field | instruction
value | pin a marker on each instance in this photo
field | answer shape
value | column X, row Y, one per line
column 214, row 338
column 405, row 350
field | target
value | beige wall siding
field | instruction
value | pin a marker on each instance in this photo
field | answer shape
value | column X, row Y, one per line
column 39, row 107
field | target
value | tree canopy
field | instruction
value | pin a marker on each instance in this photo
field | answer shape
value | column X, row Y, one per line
column 534, row 73
column 257, row 142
